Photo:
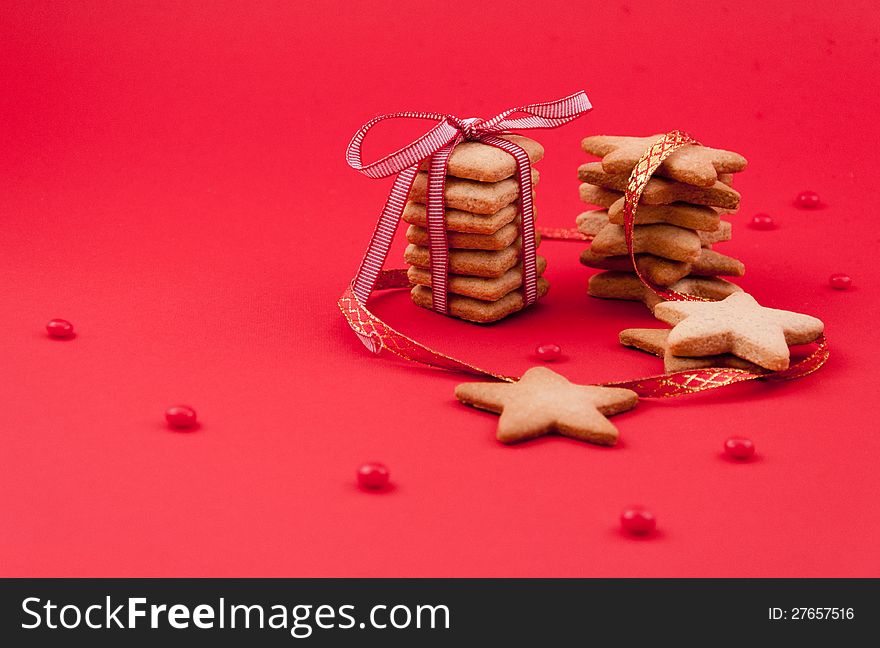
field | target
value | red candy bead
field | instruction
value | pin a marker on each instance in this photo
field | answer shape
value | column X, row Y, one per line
column 373, row 476
column 181, row 417
column 59, row 328
column 763, row 222
column 840, row 281
column 739, row 448
column 548, row 352
column 638, row 520
column 807, row 200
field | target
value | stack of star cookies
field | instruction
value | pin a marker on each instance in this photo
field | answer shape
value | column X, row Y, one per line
column 677, row 223
column 483, row 232
column 736, row 332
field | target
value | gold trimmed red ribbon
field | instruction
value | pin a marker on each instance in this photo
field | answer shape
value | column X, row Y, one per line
column 638, row 180
column 377, row 335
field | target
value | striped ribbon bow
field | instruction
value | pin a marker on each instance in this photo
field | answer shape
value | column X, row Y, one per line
column 437, row 143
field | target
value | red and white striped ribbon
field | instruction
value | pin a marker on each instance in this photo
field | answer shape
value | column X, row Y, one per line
column 435, row 213
column 527, row 212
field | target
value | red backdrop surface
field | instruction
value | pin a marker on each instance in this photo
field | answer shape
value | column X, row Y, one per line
column 173, row 183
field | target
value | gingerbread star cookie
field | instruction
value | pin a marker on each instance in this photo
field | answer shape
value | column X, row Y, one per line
column 594, row 221
column 665, row 272
column 485, row 288
column 476, row 263
column 660, row 239
column 696, row 217
column 485, row 163
column 470, row 195
column 719, row 235
column 591, row 222
column 694, row 165
column 499, row 240
column 543, row 401
column 739, row 325
column 478, row 310
column 653, row 341
column 596, row 195
column 662, row 191
column 462, row 221
column 627, row 286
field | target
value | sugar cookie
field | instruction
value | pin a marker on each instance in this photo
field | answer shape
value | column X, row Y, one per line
column 542, row 401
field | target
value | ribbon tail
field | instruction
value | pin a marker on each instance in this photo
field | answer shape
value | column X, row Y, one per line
column 383, row 235
column 527, row 215
column 685, row 382
column 376, row 335
column 694, row 381
column 435, row 214
column 638, row 180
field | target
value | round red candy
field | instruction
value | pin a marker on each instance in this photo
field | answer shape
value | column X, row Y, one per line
column 739, row 448
column 181, row 417
column 763, row 222
column 373, row 476
column 59, row 328
column 638, row 520
column 840, row 281
column 807, row 200
column 549, row 352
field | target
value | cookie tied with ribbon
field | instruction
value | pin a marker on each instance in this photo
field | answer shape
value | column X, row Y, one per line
column 466, row 186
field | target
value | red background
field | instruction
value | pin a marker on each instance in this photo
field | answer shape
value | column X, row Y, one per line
column 173, row 183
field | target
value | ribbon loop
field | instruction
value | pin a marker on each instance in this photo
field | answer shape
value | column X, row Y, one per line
column 638, row 180
column 435, row 214
column 528, row 247
column 551, row 114
column 406, row 156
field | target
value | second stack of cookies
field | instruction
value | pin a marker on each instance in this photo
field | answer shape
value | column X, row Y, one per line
column 677, row 223
column 483, row 232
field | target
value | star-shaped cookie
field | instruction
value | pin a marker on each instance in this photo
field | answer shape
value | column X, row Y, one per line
column 626, row 285
column 659, row 239
column 662, row 191
column 543, row 401
column 654, row 341
column 739, row 325
column 665, row 272
column 696, row 165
